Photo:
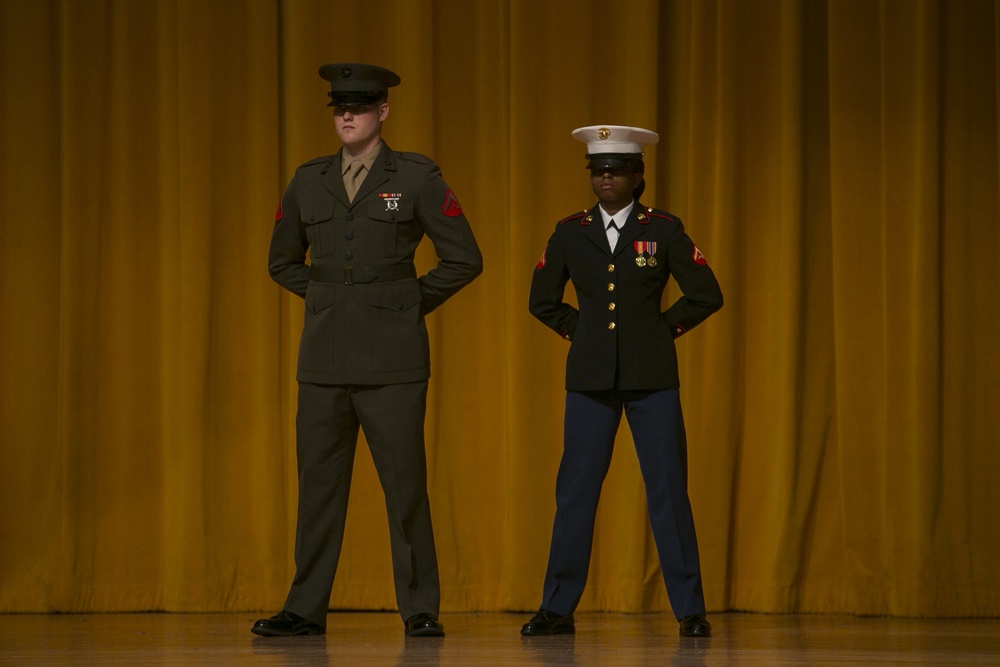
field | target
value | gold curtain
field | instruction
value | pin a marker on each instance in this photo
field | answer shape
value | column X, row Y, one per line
column 836, row 160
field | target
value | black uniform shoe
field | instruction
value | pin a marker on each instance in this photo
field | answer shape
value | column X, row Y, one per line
column 424, row 625
column 285, row 624
column 695, row 626
column 547, row 623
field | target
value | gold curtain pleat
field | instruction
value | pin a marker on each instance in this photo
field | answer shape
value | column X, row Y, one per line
column 836, row 161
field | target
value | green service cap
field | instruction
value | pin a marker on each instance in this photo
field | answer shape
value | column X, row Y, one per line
column 357, row 83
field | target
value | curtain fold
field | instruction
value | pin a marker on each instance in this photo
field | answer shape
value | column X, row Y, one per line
column 836, row 161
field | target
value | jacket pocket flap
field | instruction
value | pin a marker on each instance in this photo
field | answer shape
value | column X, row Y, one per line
column 386, row 210
column 316, row 211
column 319, row 297
column 398, row 297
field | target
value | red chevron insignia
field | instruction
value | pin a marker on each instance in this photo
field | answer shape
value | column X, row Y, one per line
column 451, row 207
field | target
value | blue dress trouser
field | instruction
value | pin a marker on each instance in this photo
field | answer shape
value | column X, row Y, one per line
column 657, row 425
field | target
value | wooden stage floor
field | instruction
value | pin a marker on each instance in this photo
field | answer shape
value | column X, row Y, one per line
column 493, row 639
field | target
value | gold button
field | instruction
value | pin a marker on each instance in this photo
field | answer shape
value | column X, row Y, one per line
column 611, row 268
column 611, row 287
column 611, row 325
column 612, row 306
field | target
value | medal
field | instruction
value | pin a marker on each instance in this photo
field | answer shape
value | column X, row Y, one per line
column 391, row 200
column 642, row 248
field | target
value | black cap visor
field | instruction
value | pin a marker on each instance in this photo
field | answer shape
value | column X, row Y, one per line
column 612, row 160
column 346, row 98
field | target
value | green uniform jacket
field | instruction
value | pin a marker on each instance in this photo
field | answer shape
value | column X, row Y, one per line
column 621, row 339
column 365, row 305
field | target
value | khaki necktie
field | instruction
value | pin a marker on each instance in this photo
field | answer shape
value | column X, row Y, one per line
column 355, row 177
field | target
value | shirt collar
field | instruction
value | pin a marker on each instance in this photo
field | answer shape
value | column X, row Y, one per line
column 621, row 216
column 368, row 159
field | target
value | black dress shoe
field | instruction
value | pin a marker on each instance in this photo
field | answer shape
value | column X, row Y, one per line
column 547, row 623
column 695, row 626
column 424, row 625
column 285, row 624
